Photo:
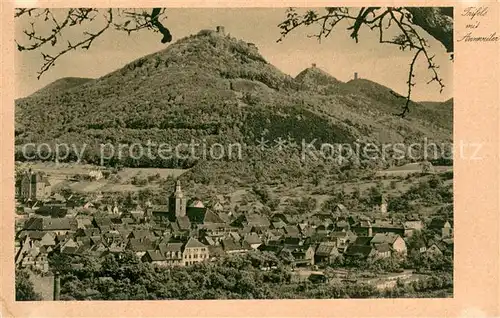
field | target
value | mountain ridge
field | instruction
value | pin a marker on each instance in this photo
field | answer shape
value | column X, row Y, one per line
column 215, row 87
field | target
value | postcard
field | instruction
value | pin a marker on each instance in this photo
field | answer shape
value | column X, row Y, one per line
column 250, row 159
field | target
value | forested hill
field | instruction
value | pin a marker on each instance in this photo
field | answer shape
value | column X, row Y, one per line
column 217, row 88
column 62, row 84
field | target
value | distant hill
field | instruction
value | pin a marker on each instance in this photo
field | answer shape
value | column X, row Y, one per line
column 314, row 77
column 442, row 112
column 391, row 101
column 61, row 85
column 215, row 88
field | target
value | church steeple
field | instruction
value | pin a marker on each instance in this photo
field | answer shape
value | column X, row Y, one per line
column 178, row 191
column 177, row 201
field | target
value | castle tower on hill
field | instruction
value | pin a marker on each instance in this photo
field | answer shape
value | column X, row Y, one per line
column 177, row 201
column 221, row 30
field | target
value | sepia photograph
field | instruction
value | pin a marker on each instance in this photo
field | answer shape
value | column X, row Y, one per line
column 234, row 153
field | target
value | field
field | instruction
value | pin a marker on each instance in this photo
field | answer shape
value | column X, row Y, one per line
column 60, row 176
column 380, row 281
column 393, row 186
column 410, row 168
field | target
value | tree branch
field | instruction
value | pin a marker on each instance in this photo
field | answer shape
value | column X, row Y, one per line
column 131, row 21
column 403, row 18
column 438, row 22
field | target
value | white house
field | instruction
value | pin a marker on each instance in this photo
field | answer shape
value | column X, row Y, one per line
column 96, row 174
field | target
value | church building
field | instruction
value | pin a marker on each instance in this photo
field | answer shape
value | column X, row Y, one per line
column 32, row 185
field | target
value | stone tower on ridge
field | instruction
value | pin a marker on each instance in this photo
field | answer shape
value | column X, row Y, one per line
column 220, row 29
column 177, row 201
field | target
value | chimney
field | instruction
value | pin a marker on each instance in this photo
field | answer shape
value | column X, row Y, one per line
column 57, row 286
column 355, row 75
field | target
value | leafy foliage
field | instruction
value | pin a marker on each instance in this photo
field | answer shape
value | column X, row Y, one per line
column 24, row 287
column 231, row 277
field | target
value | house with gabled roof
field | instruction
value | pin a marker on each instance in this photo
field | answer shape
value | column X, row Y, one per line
column 155, row 257
column 87, row 232
column 342, row 239
column 302, row 254
column 388, row 226
column 211, row 217
column 273, row 235
column 194, row 252
column 54, row 211
column 359, row 251
column 117, row 247
column 395, row 241
column 382, row 250
column 215, row 252
column 445, row 246
column 218, row 207
column 362, row 228
column 434, row 250
column 160, row 213
column 411, row 225
column 252, row 221
column 83, row 222
column 42, row 237
column 342, row 225
column 137, row 215
column 104, row 224
column 33, row 256
column 272, row 246
column 292, row 231
column 214, row 231
column 54, row 225
column 444, row 226
column 173, row 253
column 231, row 246
column 253, row 240
column 138, row 234
column 140, row 246
column 207, row 240
column 326, row 253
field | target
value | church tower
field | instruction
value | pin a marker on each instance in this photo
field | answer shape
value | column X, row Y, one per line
column 177, row 201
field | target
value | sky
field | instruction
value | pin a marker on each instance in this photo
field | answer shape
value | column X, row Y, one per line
column 337, row 54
